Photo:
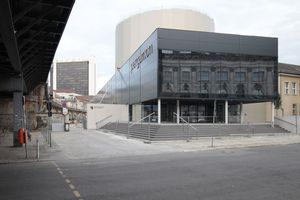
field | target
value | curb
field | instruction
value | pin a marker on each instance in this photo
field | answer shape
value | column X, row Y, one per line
column 6, row 162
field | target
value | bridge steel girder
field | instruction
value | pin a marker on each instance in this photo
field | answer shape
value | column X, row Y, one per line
column 8, row 35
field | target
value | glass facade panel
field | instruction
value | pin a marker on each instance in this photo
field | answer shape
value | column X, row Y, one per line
column 258, row 76
column 209, row 75
column 185, row 76
column 222, row 76
column 168, row 76
column 240, row 76
column 203, row 76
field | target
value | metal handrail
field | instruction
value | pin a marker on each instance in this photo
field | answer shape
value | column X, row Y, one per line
column 285, row 121
column 185, row 121
column 102, row 120
column 141, row 119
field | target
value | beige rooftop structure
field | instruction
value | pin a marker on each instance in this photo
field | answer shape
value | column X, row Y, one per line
column 133, row 31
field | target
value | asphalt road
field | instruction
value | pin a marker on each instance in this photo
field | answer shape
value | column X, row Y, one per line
column 255, row 173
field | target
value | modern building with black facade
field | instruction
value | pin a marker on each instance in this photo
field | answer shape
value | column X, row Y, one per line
column 200, row 77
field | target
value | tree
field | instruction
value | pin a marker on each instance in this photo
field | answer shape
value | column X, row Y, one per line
column 278, row 102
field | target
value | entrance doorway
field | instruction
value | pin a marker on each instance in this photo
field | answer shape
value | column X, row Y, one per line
column 168, row 108
column 220, row 112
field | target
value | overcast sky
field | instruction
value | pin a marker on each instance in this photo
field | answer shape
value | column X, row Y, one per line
column 90, row 31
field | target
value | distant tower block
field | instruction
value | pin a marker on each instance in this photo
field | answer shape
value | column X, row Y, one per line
column 131, row 32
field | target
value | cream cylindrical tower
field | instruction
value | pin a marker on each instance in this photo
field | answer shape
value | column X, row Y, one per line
column 133, row 31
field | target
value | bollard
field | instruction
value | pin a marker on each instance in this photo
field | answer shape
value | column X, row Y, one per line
column 50, row 139
column 26, row 152
column 212, row 141
column 128, row 129
column 149, row 137
column 37, row 149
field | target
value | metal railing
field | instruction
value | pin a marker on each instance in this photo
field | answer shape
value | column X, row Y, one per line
column 188, row 125
column 286, row 125
column 148, row 117
column 100, row 123
column 47, row 131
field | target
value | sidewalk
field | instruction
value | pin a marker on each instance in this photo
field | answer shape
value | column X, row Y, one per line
column 9, row 154
column 231, row 142
column 82, row 144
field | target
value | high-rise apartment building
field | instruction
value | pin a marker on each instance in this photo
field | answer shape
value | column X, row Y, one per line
column 78, row 76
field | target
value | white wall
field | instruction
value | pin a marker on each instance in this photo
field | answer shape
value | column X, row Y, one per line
column 288, row 123
column 256, row 112
column 97, row 112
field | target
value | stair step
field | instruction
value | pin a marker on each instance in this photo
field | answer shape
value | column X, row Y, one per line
column 182, row 132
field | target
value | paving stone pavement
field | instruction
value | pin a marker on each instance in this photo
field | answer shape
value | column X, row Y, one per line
column 83, row 144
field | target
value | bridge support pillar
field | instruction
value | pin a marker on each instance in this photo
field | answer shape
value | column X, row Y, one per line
column 18, row 118
column 272, row 114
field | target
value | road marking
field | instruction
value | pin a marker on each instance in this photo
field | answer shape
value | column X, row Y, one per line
column 54, row 164
column 68, row 181
column 76, row 193
column 72, row 186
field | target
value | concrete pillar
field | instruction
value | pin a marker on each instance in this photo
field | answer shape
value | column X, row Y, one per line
column 18, row 116
column 158, row 111
column 241, row 113
column 177, row 111
column 215, row 111
column 272, row 114
column 226, row 112
column 129, row 113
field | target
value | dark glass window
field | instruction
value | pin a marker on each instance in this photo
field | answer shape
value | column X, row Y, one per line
column 222, row 76
column 294, row 109
column 203, row 76
column 240, row 76
column 185, row 76
column 168, row 76
column 258, row 76
column 184, row 111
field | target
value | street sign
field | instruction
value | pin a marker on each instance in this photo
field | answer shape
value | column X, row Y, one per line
column 64, row 111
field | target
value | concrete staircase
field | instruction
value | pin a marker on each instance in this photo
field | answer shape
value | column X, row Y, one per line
column 140, row 131
column 155, row 132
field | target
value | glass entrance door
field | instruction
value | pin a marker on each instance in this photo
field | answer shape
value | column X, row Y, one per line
column 168, row 108
column 220, row 112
